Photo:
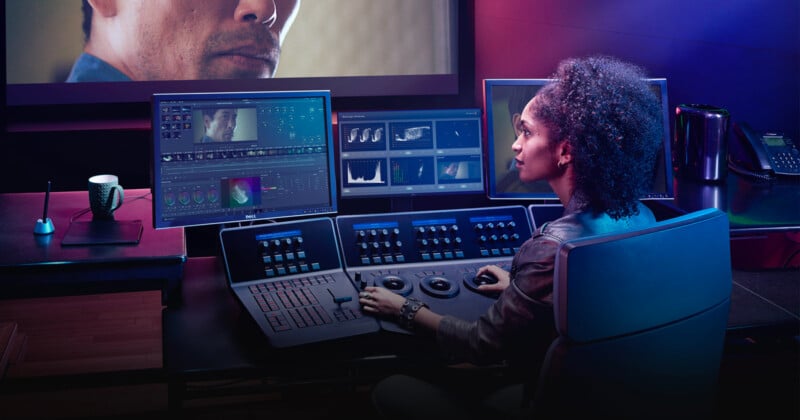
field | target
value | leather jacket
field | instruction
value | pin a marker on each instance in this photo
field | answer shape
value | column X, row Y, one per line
column 519, row 326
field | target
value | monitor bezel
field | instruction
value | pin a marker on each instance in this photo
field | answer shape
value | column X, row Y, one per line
column 47, row 107
column 155, row 157
column 491, row 182
column 397, row 193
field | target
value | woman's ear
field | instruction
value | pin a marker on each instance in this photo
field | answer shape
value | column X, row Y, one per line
column 564, row 153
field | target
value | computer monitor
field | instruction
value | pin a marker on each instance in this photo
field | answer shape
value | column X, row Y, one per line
column 410, row 152
column 241, row 157
column 505, row 97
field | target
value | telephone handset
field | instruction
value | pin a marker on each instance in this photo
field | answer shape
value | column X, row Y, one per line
column 762, row 155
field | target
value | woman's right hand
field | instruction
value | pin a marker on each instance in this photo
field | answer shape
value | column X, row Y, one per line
column 503, row 278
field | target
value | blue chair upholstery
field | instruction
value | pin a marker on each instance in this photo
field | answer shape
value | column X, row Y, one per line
column 641, row 317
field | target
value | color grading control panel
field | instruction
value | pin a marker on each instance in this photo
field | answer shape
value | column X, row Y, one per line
column 432, row 255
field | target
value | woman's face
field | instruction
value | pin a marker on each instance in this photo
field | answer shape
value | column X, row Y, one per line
column 536, row 155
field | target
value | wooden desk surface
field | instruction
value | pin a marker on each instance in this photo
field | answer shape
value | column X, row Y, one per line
column 40, row 265
column 20, row 211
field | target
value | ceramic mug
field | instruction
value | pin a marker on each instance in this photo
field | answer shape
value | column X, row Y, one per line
column 105, row 196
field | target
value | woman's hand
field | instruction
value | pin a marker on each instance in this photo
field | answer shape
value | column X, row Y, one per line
column 381, row 301
column 502, row 276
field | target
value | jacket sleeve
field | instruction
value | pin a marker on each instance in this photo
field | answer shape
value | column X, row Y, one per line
column 521, row 316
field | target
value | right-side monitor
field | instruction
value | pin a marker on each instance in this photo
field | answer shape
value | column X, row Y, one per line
column 504, row 100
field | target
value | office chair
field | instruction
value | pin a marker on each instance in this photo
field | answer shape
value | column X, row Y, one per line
column 641, row 317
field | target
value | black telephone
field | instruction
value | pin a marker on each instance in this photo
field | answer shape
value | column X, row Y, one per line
column 762, row 155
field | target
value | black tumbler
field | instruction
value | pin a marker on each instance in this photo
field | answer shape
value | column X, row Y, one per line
column 700, row 149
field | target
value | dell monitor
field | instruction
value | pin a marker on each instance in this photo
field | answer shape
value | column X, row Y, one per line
column 406, row 153
column 232, row 157
column 505, row 97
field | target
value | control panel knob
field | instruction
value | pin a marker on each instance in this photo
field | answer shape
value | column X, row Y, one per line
column 360, row 280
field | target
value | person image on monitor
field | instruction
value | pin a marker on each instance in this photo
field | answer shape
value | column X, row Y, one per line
column 449, row 171
column 219, row 124
column 593, row 134
column 182, row 39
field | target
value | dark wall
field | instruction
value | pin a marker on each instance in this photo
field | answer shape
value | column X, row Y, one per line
column 742, row 55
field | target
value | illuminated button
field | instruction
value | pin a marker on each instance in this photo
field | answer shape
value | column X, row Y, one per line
column 270, row 272
column 278, row 258
column 365, row 260
column 281, row 271
column 267, row 259
column 293, row 269
column 301, row 255
column 315, row 266
column 400, row 258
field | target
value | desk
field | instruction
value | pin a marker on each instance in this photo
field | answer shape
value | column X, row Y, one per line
column 764, row 217
column 35, row 265
column 210, row 337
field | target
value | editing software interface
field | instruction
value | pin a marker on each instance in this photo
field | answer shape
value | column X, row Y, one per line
column 410, row 152
column 503, row 98
column 233, row 157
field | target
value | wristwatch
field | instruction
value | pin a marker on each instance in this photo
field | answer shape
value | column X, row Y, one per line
column 408, row 311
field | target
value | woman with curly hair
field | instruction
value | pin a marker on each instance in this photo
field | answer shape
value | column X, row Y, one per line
column 593, row 134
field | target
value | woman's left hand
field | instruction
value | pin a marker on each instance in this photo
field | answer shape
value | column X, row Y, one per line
column 380, row 301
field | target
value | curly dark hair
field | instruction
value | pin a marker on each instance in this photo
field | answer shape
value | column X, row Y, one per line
column 612, row 120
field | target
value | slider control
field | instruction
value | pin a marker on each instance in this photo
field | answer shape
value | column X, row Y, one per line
column 339, row 299
column 360, row 281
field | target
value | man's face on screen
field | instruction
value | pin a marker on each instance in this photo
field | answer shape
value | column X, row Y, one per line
column 222, row 126
column 208, row 39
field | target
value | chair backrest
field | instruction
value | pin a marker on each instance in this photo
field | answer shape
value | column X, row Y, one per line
column 641, row 317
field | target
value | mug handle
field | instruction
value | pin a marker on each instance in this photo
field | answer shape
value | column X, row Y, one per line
column 119, row 190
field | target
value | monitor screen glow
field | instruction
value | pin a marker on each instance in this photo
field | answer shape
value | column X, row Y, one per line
column 362, row 51
column 505, row 97
column 241, row 156
column 410, row 152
